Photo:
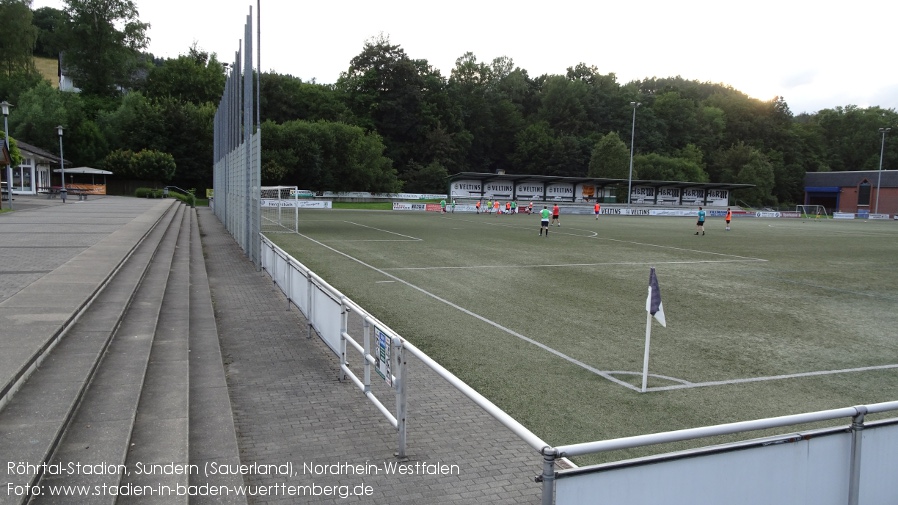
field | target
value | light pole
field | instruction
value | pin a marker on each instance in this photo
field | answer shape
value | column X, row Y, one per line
column 6, row 105
column 62, row 191
column 882, row 151
column 632, row 141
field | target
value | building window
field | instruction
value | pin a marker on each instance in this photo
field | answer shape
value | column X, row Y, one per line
column 863, row 193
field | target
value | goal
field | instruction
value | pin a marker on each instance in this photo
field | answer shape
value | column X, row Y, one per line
column 277, row 215
column 812, row 211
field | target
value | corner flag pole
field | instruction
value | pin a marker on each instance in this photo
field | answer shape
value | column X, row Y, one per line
column 653, row 307
column 648, row 339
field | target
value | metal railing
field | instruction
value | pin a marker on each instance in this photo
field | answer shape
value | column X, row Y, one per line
column 319, row 301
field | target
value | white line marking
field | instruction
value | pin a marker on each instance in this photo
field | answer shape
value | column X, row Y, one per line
column 772, row 378
column 481, row 318
column 383, row 282
column 564, row 265
column 385, row 231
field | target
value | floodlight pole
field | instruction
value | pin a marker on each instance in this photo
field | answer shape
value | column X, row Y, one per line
column 62, row 190
column 632, row 141
column 5, row 106
column 882, row 151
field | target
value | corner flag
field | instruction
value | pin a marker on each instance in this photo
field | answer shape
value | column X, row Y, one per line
column 653, row 302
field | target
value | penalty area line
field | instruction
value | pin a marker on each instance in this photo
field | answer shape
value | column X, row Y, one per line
column 570, row 265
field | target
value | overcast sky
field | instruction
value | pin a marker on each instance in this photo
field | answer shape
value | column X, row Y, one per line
column 815, row 54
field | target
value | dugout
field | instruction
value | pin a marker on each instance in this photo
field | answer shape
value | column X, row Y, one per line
column 546, row 188
column 854, row 192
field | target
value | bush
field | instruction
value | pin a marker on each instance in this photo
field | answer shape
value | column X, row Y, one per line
column 148, row 193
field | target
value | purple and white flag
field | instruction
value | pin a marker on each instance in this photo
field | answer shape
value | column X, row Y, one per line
column 653, row 302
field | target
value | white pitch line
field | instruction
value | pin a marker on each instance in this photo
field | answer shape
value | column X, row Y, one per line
column 481, row 318
column 568, row 265
column 385, row 231
column 595, row 235
column 772, row 378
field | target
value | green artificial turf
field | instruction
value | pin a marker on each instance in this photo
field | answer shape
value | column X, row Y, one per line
column 772, row 297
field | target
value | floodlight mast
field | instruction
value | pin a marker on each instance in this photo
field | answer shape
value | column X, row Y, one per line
column 882, row 151
column 632, row 141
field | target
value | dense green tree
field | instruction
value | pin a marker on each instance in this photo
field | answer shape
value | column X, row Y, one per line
column 50, row 24
column 668, row 168
column 324, row 155
column 196, row 77
column 429, row 179
column 287, row 98
column 19, row 36
column 610, row 158
column 148, row 165
column 102, row 40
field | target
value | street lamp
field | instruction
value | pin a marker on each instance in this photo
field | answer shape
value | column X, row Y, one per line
column 632, row 141
column 62, row 191
column 6, row 105
column 881, row 152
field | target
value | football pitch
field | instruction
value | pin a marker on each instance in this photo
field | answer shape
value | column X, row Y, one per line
column 776, row 317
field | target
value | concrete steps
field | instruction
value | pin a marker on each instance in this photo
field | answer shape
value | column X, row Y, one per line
column 122, row 392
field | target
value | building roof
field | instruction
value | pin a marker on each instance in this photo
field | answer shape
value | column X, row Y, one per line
column 36, row 152
column 851, row 179
column 600, row 182
column 84, row 170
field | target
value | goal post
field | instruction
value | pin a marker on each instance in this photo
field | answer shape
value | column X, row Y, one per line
column 812, row 211
column 277, row 218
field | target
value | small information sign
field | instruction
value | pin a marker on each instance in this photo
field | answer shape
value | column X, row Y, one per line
column 382, row 355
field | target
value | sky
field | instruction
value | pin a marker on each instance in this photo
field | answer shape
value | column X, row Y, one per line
column 816, row 55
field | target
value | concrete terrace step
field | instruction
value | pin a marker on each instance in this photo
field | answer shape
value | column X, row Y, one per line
column 213, row 437
column 160, row 433
column 36, row 416
column 100, row 430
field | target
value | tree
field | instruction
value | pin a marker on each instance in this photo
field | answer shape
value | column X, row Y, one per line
column 50, row 24
column 19, row 35
column 196, row 77
column 103, row 39
column 327, row 156
column 610, row 158
column 145, row 165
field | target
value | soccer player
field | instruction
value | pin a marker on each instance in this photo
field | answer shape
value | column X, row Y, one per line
column 530, row 208
column 514, row 206
column 489, row 206
column 729, row 217
column 700, row 224
column 544, row 221
column 597, row 208
column 496, row 207
column 555, row 212
column 443, row 206
column 477, row 206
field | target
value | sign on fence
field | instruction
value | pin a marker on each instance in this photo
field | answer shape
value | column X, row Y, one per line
column 382, row 356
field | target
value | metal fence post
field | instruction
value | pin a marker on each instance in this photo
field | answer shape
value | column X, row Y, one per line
column 401, row 405
column 310, row 285
column 548, row 476
column 857, row 435
column 344, row 317
column 367, row 364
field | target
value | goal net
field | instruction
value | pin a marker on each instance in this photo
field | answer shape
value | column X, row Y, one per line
column 811, row 211
column 277, row 215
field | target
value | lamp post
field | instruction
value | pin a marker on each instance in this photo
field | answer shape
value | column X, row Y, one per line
column 632, row 141
column 62, row 191
column 882, row 151
column 6, row 105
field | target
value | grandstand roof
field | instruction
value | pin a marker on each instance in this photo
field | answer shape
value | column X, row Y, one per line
column 600, row 182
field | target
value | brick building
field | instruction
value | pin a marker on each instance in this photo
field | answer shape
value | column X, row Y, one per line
column 853, row 192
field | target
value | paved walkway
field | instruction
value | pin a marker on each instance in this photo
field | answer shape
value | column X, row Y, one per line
column 289, row 407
